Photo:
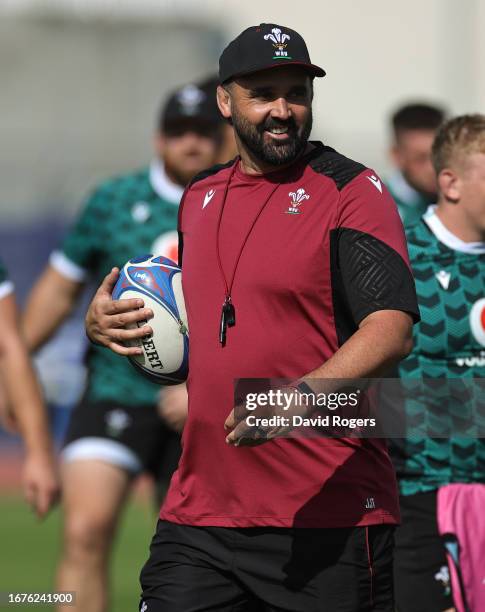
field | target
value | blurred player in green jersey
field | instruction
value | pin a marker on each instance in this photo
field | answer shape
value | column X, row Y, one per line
column 413, row 184
column 116, row 433
column 23, row 406
column 440, row 477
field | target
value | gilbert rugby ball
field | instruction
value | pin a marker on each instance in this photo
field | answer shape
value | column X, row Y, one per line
column 157, row 281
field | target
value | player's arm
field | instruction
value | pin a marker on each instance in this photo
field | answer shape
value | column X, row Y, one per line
column 374, row 293
column 56, row 292
column 382, row 340
column 50, row 302
column 25, row 399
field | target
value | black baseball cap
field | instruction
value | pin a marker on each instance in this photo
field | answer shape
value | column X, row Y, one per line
column 265, row 46
column 192, row 104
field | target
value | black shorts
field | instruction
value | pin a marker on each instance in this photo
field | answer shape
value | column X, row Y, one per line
column 421, row 576
column 196, row 569
column 132, row 437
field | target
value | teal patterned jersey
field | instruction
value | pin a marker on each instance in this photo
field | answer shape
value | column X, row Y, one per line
column 449, row 343
column 125, row 217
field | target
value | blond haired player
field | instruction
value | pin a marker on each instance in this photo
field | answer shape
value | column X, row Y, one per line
column 442, row 480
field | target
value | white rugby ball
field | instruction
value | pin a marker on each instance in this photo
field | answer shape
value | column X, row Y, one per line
column 157, row 281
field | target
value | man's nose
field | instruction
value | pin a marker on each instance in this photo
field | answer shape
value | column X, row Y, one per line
column 281, row 109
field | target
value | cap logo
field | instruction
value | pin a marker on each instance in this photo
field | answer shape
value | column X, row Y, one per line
column 279, row 44
column 189, row 98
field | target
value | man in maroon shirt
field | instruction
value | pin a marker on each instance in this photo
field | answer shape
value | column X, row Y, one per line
column 304, row 251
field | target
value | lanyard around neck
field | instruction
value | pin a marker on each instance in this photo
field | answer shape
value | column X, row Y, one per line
column 228, row 315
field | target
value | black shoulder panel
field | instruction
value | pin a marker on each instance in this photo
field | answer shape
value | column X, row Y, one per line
column 337, row 167
column 367, row 276
column 211, row 171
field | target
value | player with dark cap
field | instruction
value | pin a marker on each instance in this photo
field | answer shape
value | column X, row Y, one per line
column 294, row 265
column 116, row 433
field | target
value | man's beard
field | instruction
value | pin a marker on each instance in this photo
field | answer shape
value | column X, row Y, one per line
column 274, row 153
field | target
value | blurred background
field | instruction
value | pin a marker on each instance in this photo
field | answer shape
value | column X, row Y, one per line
column 80, row 84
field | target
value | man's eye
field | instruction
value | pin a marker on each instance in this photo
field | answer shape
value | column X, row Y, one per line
column 268, row 96
column 298, row 94
column 263, row 97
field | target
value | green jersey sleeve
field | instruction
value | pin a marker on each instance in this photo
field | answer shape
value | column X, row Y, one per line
column 80, row 251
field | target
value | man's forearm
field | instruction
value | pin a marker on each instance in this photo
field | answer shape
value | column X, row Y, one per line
column 379, row 343
column 24, row 396
column 383, row 339
column 51, row 301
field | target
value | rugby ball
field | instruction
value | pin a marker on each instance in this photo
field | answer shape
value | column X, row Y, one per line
column 157, row 281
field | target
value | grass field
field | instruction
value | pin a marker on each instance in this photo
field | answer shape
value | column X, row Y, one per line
column 28, row 552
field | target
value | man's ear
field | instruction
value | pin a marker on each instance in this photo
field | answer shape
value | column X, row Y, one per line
column 224, row 101
column 449, row 185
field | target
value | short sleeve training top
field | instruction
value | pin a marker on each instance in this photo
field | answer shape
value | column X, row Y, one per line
column 327, row 249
